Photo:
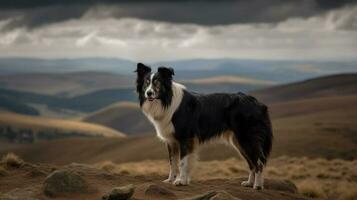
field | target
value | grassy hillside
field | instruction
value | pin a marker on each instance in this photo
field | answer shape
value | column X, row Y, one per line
column 123, row 116
column 334, row 85
column 22, row 128
column 16, row 106
column 321, row 125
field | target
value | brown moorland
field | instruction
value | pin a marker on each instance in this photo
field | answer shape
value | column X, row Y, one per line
column 30, row 179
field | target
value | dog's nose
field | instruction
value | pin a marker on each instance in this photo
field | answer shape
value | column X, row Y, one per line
column 149, row 93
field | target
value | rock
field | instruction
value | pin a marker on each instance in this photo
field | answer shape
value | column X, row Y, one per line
column 121, row 193
column 64, row 181
column 276, row 184
column 280, row 185
column 214, row 195
column 156, row 190
column 36, row 172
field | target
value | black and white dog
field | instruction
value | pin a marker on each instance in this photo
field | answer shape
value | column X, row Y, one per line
column 183, row 120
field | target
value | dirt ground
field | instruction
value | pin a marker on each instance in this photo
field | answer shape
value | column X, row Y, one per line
column 26, row 182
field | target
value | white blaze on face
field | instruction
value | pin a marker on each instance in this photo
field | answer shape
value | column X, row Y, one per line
column 150, row 88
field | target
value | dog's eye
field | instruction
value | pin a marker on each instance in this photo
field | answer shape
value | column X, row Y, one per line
column 147, row 81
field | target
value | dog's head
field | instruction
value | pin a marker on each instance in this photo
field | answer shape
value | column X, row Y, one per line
column 154, row 86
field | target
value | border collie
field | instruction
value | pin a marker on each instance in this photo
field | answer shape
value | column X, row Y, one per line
column 184, row 120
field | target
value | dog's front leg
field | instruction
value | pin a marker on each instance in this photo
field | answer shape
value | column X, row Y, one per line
column 173, row 150
column 187, row 162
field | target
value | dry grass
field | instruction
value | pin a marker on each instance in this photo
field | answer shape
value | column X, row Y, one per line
column 350, row 194
column 107, row 166
column 319, row 178
column 311, row 189
column 12, row 160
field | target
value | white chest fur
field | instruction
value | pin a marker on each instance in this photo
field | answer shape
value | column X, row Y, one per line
column 161, row 117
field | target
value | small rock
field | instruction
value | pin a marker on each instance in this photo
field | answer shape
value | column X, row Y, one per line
column 276, row 184
column 64, row 181
column 156, row 190
column 280, row 185
column 36, row 172
column 120, row 193
column 214, row 195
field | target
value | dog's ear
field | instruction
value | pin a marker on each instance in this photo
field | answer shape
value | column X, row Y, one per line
column 166, row 72
column 142, row 69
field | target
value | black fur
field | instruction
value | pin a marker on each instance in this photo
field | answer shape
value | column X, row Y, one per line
column 142, row 72
column 207, row 116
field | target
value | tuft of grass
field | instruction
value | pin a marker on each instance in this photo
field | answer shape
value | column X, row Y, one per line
column 3, row 171
column 12, row 160
column 312, row 189
column 348, row 193
column 107, row 166
column 351, row 195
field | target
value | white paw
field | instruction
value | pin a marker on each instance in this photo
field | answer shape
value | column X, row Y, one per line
column 258, row 187
column 168, row 180
column 247, row 184
column 180, row 181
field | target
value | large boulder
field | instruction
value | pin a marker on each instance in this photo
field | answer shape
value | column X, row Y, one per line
column 121, row 193
column 62, row 182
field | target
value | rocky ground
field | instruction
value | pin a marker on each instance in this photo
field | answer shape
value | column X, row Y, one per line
column 25, row 181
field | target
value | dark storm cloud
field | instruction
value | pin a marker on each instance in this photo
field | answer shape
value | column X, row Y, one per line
column 32, row 14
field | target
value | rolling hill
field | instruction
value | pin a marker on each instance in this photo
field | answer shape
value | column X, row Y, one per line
column 22, row 128
column 123, row 116
column 16, row 106
column 342, row 84
column 320, row 124
column 65, row 84
column 84, row 103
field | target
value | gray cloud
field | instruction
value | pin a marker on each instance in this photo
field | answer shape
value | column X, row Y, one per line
column 316, row 37
column 34, row 14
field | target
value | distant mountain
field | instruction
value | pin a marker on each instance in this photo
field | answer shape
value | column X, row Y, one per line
column 35, row 65
column 231, row 84
column 281, row 71
column 85, row 103
column 66, row 84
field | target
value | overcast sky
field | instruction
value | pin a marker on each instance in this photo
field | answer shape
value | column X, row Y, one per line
column 168, row 30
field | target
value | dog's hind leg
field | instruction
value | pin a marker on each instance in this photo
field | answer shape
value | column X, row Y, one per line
column 252, row 150
column 259, row 180
column 188, row 157
column 251, row 176
column 173, row 150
